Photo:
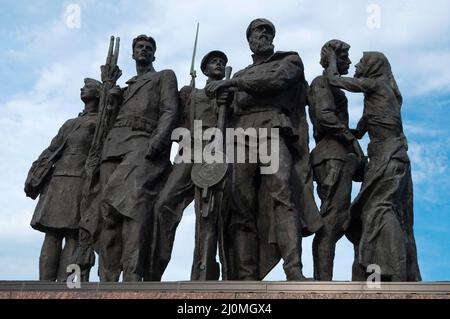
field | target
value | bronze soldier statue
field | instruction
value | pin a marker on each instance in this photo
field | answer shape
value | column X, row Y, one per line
column 58, row 176
column 135, row 162
column 336, row 159
column 264, row 218
column 382, row 213
column 179, row 189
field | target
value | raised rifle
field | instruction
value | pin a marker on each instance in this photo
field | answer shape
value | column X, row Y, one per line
column 107, row 112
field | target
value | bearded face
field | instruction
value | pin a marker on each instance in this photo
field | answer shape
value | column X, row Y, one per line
column 260, row 41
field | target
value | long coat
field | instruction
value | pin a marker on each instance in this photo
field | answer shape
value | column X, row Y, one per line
column 278, row 83
column 59, row 203
column 152, row 98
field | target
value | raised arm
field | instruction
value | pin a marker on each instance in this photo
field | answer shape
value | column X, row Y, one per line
column 356, row 85
column 324, row 110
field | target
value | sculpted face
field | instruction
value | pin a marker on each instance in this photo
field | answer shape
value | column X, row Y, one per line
column 343, row 61
column 89, row 92
column 261, row 39
column 215, row 68
column 143, row 52
column 359, row 69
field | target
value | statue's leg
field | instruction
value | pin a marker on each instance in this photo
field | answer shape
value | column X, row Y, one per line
column 358, row 271
column 49, row 258
column 243, row 222
column 176, row 195
column 287, row 228
column 110, row 244
column 85, row 256
column 134, row 242
column 110, row 248
column 324, row 246
column 68, row 256
column 205, row 266
column 334, row 188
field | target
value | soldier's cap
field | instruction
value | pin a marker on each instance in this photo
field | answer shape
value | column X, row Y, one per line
column 258, row 22
column 144, row 37
column 93, row 82
column 209, row 56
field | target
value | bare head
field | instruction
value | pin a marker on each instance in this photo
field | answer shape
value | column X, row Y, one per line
column 341, row 49
column 144, row 48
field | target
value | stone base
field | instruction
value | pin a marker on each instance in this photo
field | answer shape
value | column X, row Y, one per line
column 224, row 290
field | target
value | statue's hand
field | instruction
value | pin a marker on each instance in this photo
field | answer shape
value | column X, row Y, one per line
column 27, row 189
column 153, row 150
column 356, row 133
column 332, row 62
column 30, row 191
column 115, row 96
column 110, row 73
column 214, row 86
column 224, row 97
column 358, row 151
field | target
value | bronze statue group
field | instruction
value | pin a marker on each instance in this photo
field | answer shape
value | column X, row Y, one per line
column 106, row 183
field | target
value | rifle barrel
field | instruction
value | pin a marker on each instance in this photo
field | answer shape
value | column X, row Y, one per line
column 116, row 52
column 110, row 51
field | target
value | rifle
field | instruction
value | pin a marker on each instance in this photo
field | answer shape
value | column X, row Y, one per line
column 210, row 181
column 106, row 112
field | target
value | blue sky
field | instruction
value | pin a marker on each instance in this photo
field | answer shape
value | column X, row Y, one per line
column 43, row 62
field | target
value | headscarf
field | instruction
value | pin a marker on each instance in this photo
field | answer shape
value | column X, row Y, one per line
column 377, row 66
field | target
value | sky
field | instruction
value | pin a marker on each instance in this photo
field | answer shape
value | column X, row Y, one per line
column 48, row 47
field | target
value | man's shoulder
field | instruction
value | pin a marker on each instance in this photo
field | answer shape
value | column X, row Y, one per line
column 281, row 55
column 69, row 125
column 289, row 57
column 319, row 82
column 166, row 74
column 71, row 122
column 185, row 90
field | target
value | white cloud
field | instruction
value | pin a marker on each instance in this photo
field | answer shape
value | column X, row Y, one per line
column 428, row 160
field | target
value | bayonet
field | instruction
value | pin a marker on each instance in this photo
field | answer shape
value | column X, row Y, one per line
column 193, row 72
